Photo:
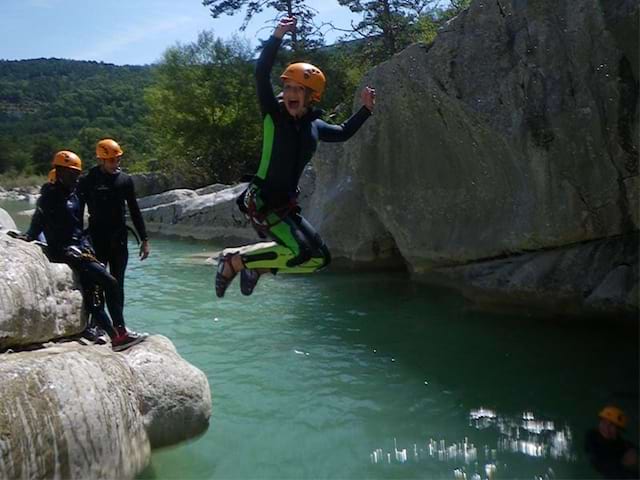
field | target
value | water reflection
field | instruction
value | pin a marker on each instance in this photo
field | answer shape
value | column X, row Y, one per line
column 502, row 436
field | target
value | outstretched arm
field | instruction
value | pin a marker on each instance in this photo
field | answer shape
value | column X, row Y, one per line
column 343, row 132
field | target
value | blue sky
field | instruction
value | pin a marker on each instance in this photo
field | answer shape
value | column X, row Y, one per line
column 123, row 31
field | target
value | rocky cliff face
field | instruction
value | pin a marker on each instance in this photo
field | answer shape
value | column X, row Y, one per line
column 515, row 131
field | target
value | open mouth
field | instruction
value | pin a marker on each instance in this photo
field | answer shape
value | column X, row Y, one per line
column 293, row 104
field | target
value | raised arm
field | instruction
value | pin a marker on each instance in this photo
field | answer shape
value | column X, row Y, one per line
column 267, row 99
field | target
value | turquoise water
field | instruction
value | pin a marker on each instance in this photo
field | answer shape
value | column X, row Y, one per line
column 344, row 375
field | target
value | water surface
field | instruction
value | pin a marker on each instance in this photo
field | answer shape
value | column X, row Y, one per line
column 375, row 376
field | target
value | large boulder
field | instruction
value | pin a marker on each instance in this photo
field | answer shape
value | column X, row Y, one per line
column 6, row 222
column 600, row 276
column 175, row 398
column 166, row 197
column 514, row 131
column 72, row 411
column 69, row 410
column 38, row 301
column 210, row 216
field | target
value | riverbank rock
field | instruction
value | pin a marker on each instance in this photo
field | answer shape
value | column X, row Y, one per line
column 166, row 197
column 209, row 213
column 38, row 301
column 209, row 216
column 515, row 131
column 175, row 398
column 6, row 222
column 596, row 276
column 69, row 410
column 73, row 411
column 19, row 194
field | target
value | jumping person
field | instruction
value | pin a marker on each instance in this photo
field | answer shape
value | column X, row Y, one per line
column 59, row 216
column 292, row 129
column 105, row 190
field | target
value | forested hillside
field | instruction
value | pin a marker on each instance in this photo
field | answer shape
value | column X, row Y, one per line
column 50, row 104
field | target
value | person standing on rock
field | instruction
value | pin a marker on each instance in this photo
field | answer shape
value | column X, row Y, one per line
column 105, row 190
column 292, row 130
column 59, row 216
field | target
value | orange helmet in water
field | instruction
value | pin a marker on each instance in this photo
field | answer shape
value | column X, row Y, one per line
column 614, row 415
column 308, row 75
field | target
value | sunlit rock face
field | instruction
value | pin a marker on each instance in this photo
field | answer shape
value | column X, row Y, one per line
column 74, row 411
column 69, row 413
column 6, row 222
column 175, row 398
column 213, row 215
column 38, row 300
column 515, row 131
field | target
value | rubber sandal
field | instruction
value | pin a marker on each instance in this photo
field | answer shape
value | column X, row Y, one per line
column 248, row 281
column 222, row 282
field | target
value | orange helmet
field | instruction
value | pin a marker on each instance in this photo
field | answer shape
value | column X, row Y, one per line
column 107, row 149
column 65, row 158
column 308, row 75
column 614, row 415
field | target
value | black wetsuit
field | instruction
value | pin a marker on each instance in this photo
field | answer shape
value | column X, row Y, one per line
column 59, row 216
column 105, row 196
column 288, row 145
column 606, row 455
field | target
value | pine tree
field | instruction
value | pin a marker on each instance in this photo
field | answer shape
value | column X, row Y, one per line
column 308, row 36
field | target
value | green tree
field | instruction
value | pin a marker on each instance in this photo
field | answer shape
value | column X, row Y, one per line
column 392, row 21
column 308, row 35
column 42, row 154
column 203, row 111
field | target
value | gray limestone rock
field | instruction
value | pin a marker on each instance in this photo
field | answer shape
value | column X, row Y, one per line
column 597, row 275
column 175, row 398
column 6, row 222
column 74, row 411
column 166, row 197
column 70, row 412
column 213, row 215
column 37, row 299
column 216, row 187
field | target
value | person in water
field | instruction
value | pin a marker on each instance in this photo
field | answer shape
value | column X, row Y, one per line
column 610, row 454
column 292, row 130
column 58, row 215
column 105, row 190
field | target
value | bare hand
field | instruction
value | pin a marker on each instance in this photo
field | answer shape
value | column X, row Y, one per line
column 287, row 24
column 368, row 97
column 144, row 249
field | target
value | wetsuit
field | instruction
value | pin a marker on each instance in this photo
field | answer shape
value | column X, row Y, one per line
column 288, row 145
column 606, row 455
column 105, row 196
column 59, row 215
